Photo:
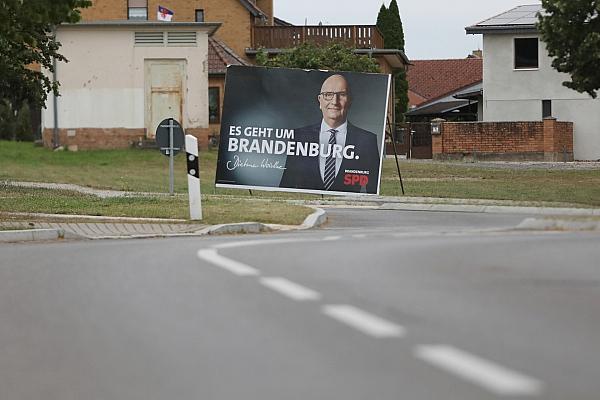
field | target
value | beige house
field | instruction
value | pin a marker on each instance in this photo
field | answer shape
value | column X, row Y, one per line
column 123, row 78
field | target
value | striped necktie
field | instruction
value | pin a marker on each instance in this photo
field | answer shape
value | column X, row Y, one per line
column 329, row 175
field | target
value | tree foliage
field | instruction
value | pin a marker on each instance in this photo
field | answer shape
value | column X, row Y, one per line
column 334, row 57
column 395, row 36
column 571, row 31
column 390, row 25
column 27, row 42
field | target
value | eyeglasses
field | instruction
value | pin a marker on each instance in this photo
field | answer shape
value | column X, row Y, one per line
column 329, row 95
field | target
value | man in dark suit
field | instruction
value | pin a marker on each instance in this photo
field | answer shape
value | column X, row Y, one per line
column 348, row 157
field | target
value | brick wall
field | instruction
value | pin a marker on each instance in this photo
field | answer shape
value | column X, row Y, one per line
column 94, row 138
column 117, row 138
column 202, row 135
column 549, row 140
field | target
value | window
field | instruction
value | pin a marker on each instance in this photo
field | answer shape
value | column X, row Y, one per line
column 546, row 108
column 213, row 105
column 526, row 53
column 199, row 15
column 137, row 9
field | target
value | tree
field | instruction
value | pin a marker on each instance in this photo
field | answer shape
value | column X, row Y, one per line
column 395, row 36
column 334, row 57
column 571, row 31
column 383, row 21
column 390, row 25
column 27, row 43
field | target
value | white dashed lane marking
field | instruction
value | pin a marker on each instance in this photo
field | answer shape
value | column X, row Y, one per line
column 496, row 379
column 238, row 268
column 290, row 289
column 492, row 377
column 331, row 238
column 363, row 321
column 260, row 242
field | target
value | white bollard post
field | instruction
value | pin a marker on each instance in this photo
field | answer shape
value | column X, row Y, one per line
column 193, row 169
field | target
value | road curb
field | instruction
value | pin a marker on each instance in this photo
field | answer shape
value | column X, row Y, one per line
column 490, row 209
column 317, row 218
column 97, row 218
column 28, row 235
column 243, row 227
column 537, row 224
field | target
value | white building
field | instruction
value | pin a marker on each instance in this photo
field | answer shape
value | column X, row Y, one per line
column 519, row 83
column 123, row 78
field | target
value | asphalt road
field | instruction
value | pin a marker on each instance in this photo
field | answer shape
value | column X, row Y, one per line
column 376, row 305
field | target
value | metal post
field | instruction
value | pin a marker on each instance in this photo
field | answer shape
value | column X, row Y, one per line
column 171, row 157
column 392, row 134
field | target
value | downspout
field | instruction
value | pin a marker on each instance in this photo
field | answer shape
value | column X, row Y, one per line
column 55, row 136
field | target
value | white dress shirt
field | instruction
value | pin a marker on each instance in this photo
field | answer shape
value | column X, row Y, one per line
column 340, row 139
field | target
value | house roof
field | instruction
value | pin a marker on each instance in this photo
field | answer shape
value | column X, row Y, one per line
column 435, row 79
column 518, row 19
column 281, row 22
column 220, row 56
column 470, row 93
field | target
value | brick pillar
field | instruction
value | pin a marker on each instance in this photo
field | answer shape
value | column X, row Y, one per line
column 437, row 144
column 550, row 139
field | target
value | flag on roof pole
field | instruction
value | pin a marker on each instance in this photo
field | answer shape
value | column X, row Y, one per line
column 164, row 14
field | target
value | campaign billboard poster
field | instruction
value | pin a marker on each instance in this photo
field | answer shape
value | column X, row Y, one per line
column 300, row 130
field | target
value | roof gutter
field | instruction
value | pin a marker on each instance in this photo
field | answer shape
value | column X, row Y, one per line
column 384, row 52
column 503, row 29
column 210, row 27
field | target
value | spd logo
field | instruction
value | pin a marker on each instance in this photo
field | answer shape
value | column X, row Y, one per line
column 355, row 179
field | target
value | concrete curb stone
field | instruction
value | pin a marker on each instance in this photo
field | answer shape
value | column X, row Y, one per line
column 317, row 218
column 491, row 209
column 557, row 225
column 31, row 235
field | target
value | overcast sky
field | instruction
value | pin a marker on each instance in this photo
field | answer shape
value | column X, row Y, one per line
column 433, row 29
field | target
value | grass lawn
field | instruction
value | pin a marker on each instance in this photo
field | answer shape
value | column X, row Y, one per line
column 147, row 170
column 215, row 210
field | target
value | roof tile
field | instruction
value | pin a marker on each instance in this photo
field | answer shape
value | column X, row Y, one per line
column 220, row 56
column 433, row 79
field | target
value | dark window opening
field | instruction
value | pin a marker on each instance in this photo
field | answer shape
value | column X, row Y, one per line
column 213, row 105
column 199, row 15
column 526, row 53
column 546, row 108
column 137, row 9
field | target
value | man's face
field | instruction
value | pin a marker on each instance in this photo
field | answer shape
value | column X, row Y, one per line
column 334, row 100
